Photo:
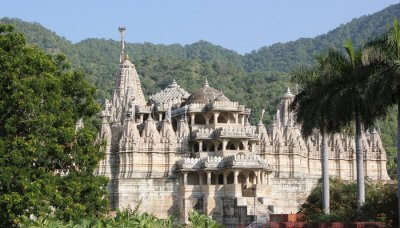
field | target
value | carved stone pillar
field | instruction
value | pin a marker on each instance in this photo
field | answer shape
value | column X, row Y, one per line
column 235, row 176
column 185, row 175
column 258, row 174
column 159, row 116
column 245, row 145
column 224, row 142
column 200, row 178
column 200, row 146
column 208, row 178
column 192, row 119
column 225, row 178
column 242, row 119
column 236, row 116
column 216, row 114
column 141, row 118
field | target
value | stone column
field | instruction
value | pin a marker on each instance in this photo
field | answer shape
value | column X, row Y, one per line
column 242, row 119
column 185, row 175
column 245, row 145
column 159, row 116
column 248, row 179
column 216, row 114
column 141, row 118
column 192, row 118
column 258, row 174
column 225, row 178
column 200, row 178
column 235, row 176
column 208, row 178
column 224, row 142
column 236, row 116
column 216, row 146
column 200, row 146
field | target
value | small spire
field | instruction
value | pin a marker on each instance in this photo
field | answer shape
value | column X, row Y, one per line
column 174, row 84
column 206, row 83
column 122, row 30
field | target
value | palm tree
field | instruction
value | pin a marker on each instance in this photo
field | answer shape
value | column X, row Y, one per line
column 351, row 74
column 384, row 87
column 311, row 106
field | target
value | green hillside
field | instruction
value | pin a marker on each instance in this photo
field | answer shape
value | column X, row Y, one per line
column 256, row 79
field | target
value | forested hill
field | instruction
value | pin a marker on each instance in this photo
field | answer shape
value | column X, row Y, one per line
column 285, row 56
column 256, row 79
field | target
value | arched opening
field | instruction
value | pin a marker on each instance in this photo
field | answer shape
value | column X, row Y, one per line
column 242, row 178
column 252, row 178
column 222, row 118
column 230, row 178
column 211, row 146
column 175, row 124
column 199, row 119
column 221, row 179
column 195, row 147
column 230, row 146
column 211, row 119
column 213, row 179
column 193, row 179
column 204, row 146
column 241, row 146
column 219, row 146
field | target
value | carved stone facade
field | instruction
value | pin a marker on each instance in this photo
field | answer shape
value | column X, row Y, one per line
column 180, row 152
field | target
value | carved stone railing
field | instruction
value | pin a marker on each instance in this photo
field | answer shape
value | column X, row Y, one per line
column 247, row 161
column 213, row 162
column 190, row 163
column 236, row 132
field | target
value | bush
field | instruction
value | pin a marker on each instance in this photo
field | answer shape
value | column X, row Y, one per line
column 380, row 206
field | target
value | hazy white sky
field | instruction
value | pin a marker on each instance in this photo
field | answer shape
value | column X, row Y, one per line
column 239, row 25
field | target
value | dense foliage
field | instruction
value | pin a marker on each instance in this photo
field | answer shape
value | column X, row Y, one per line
column 126, row 218
column 46, row 164
column 381, row 204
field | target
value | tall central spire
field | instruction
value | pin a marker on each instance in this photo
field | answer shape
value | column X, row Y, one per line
column 121, row 30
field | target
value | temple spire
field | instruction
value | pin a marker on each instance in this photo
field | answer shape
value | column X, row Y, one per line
column 206, row 83
column 121, row 30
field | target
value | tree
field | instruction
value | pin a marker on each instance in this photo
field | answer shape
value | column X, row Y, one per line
column 385, row 86
column 46, row 164
column 351, row 74
column 312, row 105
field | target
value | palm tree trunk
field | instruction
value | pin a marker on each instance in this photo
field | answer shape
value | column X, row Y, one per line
column 398, row 160
column 325, row 174
column 360, row 164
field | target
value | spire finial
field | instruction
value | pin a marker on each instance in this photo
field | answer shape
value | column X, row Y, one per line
column 206, row 83
column 122, row 30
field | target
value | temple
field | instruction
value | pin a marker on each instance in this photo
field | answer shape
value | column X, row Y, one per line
column 178, row 152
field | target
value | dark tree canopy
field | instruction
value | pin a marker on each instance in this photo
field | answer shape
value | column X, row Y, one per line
column 46, row 164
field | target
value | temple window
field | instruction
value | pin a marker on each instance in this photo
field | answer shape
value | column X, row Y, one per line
column 221, row 179
column 230, row 146
column 222, row 118
column 230, row 178
column 199, row 119
column 195, row 147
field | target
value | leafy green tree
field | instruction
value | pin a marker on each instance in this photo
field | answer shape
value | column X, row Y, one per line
column 46, row 164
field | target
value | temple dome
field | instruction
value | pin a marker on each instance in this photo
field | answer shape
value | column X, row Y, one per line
column 206, row 95
column 173, row 94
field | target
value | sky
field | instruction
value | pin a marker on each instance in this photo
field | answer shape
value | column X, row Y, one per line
column 239, row 25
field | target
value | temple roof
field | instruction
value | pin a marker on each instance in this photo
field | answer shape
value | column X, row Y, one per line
column 206, row 95
column 172, row 94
